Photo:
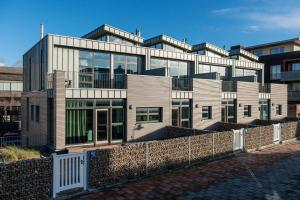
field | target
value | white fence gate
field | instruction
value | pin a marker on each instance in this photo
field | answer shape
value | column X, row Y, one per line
column 276, row 133
column 69, row 171
column 238, row 139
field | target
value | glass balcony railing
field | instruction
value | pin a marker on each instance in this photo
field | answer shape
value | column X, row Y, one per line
column 229, row 86
column 92, row 80
column 266, row 88
column 182, row 83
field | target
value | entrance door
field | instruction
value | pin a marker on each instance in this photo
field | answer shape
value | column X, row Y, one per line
column 102, row 129
column 175, row 117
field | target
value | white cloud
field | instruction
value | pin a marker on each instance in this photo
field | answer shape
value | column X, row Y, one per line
column 2, row 63
column 267, row 16
column 19, row 63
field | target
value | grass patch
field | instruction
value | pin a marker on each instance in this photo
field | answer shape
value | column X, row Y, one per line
column 14, row 153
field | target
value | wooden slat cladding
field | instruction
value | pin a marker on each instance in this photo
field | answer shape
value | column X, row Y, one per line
column 206, row 93
column 147, row 91
column 247, row 94
column 278, row 96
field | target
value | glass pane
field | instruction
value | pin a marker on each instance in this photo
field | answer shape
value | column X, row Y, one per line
column 175, row 102
column 141, row 110
column 154, row 117
column 102, row 102
column 102, row 125
column 141, row 118
column 132, row 69
column 119, row 68
column 185, row 124
column 102, row 56
column 117, row 132
column 117, row 102
column 185, row 113
column 117, row 115
column 79, row 126
column 153, row 110
column 174, row 117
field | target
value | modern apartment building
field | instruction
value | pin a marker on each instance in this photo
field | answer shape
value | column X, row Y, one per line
column 11, row 86
column 282, row 65
column 112, row 86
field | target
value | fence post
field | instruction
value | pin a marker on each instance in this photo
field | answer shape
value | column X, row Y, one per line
column 147, row 157
column 260, row 136
column 85, row 170
column 213, row 145
column 189, row 150
column 54, row 176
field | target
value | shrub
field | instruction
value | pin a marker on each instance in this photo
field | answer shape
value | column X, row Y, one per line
column 14, row 153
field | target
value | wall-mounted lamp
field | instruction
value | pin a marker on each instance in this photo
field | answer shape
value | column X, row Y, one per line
column 272, row 104
column 240, row 105
column 130, row 107
column 196, row 106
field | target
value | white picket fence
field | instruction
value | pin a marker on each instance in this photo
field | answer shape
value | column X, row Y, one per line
column 69, row 172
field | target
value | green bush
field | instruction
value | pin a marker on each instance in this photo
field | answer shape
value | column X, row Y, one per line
column 14, row 153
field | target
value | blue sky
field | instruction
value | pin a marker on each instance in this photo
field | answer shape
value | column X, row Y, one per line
column 216, row 21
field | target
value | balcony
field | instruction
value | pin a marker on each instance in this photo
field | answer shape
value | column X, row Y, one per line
column 182, row 83
column 266, row 88
column 290, row 76
column 229, row 86
column 92, row 80
column 294, row 96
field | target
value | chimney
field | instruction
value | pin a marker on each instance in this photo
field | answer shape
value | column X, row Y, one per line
column 185, row 40
column 41, row 31
column 137, row 32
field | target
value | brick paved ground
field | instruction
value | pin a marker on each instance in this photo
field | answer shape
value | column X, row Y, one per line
column 195, row 182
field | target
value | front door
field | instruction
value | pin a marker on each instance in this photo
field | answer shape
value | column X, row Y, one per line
column 175, row 117
column 102, row 128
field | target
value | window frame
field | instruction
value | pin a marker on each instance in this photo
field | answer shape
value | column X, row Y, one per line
column 148, row 113
column 208, row 112
column 37, row 114
column 247, row 111
column 278, row 109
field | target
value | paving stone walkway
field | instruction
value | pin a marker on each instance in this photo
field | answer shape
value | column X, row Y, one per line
column 276, row 182
column 267, row 174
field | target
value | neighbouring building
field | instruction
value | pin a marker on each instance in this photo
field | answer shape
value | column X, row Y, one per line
column 11, row 86
column 282, row 65
column 111, row 86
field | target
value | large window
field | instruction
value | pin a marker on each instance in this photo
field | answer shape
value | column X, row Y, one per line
column 294, row 67
column 277, row 50
column 259, row 52
column 239, row 72
column 148, row 115
column 294, row 87
column 275, row 72
column 108, row 123
column 11, row 86
column 95, row 69
column 211, row 68
column 247, row 110
column 125, row 63
column 156, row 63
column 157, row 46
column 79, row 126
column 178, row 68
column 206, row 112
